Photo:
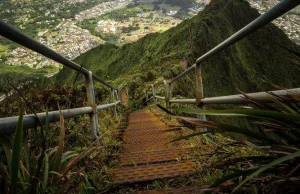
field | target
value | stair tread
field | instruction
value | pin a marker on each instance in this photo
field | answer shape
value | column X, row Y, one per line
column 152, row 172
column 147, row 152
column 153, row 156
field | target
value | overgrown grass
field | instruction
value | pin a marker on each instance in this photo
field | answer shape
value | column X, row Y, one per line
column 64, row 169
column 208, row 151
column 274, row 131
column 60, row 157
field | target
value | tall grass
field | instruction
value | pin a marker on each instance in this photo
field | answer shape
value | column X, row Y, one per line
column 275, row 131
column 61, row 172
column 16, row 154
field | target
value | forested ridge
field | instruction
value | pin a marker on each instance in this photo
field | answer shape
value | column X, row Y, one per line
column 266, row 54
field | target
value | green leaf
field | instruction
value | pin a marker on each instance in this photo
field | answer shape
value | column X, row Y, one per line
column 68, row 155
column 46, row 173
column 8, row 155
column 231, row 176
column 16, row 154
column 80, row 156
column 225, row 127
column 70, row 180
column 60, row 149
column 275, row 162
column 244, row 113
column 27, row 160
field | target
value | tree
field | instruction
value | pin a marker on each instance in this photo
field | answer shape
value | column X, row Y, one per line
column 156, row 6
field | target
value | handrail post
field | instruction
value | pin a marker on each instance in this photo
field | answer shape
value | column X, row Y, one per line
column 113, row 99
column 199, row 86
column 167, row 99
column 92, row 102
column 199, row 93
column 147, row 97
column 185, row 63
column 112, row 94
column 154, row 94
column 117, row 93
column 170, row 94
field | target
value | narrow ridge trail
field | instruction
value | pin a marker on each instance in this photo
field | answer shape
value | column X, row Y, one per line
column 147, row 154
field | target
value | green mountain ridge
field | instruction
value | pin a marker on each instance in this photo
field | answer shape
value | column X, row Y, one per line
column 261, row 55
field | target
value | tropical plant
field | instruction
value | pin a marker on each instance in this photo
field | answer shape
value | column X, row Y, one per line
column 61, row 171
column 274, row 129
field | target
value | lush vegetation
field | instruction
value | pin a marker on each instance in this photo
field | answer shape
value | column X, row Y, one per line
column 60, row 157
column 12, row 71
column 185, row 4
column 251, row 65
column 264, row 144
column 274, row 129
column 14, row 74
column 262, row 55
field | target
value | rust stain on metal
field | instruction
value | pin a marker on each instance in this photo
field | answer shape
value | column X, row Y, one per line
column 146, row 157
column 180, row 190
column 147, row 154
column 152, row 172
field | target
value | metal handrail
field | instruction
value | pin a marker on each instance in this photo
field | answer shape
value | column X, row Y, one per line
column 8, row 124
column 16, row 36
column 160, row 97
column 266, row 97
column 278, row 10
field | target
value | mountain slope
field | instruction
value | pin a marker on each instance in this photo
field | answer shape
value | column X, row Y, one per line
column 260, row 55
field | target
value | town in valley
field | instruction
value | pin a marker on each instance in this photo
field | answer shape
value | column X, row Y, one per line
column 72, row 27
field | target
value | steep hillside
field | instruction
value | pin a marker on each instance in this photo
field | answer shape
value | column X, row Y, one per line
column 262, row 54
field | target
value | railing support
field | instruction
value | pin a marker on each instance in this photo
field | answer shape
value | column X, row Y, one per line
column 170, row 94
column 199, row 95
column 185, row 63
column 154, row 94
column 94, row 121
column 199, row 86
column 117, row 93
column 167, row 99
column 113, row 99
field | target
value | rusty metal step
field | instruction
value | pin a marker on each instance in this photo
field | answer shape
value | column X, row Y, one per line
column 144, row 126
column 145, row 139
column 152, row 172
column 136, row 158
column 177, row 190
column 148, row 132
column 145, row 134
column 151, row 119
column 146, row 146
column 141, row 130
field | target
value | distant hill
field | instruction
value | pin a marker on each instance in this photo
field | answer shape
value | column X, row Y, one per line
column 184, row 4
column 264, row 54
